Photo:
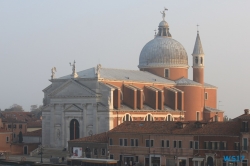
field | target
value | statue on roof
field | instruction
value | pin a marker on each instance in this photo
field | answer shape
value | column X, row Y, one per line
column 98, row 68
column 53, row 71
column 74, row 74
column 163, row 13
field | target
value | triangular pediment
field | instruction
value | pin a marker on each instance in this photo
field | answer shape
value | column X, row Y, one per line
column 72, row 88
column 73, row 107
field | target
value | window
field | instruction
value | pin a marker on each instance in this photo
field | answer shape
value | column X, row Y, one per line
column 201, row 60
column 14, row 126
column 196, row 145
column 136, row 159
column 223, row 145
column 244, row 143
column 20, row 126
column 169, row 118
column 136, row 142
column 127, row 117
column 149, row 117
column 236, row 146
column 166, row 73
column 162, row 143
column 205, row 145
column 209, row 145
column 245, row 126
column 206, row 95
column 191, row 144
column 132, row 142
column 110, row 141
column 180, row 144
column 9, row 126
column 197, row 116
column 216, row 145
column 147, row 143
column 125, row 142
column 14, row 135
column 196, row 60
column 111, row 156
column 103, row 152
column 7, row 139
column 121, row 142
column 174, row 144
column 167, row 143
column 95, row 152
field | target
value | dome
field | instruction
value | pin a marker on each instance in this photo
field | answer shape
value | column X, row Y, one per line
column 163, row 24
column 163, row 51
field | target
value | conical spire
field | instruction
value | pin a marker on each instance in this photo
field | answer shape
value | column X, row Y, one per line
column 198, row 46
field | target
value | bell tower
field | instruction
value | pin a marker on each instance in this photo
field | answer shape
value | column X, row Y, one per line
column 198, row 61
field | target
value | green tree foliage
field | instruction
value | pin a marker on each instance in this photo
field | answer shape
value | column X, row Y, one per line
column 15, row 108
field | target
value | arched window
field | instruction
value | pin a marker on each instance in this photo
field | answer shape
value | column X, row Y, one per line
column 127, row 117
column 149, row 117
column 169, row 118
column 201, row 60
column 196, row 60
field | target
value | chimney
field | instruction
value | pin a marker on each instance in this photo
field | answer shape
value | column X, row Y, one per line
column 246, row 111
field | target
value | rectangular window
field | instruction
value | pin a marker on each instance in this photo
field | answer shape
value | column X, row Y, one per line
column 196, row 145
column 111, row 156
column 95, row 151
column 206, row 95
column 120, row 157
column 121, row 142
column 205, row 145
column 152, row 143
column 174, row 144
column 162, row 143
column 167, row 142
column 132, row 142
column 166, row 73
column 147, row 143
column 221, row 145
column 20, row 126
column 103, row 152
column 191, row 144
column 180, row 144
column 136, row 159
column 244, row 143
column 236, row 146
column 216, row 145
column 7, row 139
column 136, row 142
column 110, row 141
column 209, row 145
column 125, row 142
column 9, row 126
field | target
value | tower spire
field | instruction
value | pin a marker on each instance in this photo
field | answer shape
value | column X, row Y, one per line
column 198, row 60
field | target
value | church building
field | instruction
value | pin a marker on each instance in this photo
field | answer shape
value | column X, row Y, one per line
column 96, row 100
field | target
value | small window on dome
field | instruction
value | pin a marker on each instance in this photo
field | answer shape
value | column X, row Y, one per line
column 166, row 74
column 201, row 60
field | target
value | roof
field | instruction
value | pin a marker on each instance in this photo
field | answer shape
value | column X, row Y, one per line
column 36, row 133
column 18, row 117
column 121, row 75
column 145, row 108
column 198, row 46
column 206, row 85
column 210, row 109
column 35, row 124
column 186, row 81
column 170, row 127
column 99, row 138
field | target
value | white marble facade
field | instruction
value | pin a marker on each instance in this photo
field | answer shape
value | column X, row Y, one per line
column 85, row 99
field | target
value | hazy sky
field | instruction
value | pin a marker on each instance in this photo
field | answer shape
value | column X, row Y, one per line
column 38, row 35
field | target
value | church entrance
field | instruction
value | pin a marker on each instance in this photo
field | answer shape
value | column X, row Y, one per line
column 74, row 129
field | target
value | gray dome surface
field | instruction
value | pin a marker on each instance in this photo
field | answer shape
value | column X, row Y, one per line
column 163, row 52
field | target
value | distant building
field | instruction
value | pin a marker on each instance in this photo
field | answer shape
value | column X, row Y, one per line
column 98, row 99
column 185, row 143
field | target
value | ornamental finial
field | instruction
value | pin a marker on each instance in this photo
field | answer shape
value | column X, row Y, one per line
column 163, row 13
column 198, row 28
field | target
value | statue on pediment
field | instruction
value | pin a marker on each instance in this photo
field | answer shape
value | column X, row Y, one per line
column 53, row 71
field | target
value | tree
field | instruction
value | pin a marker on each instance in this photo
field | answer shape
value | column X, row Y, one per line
column 20, row 137
column 15, row 108
column 37, row 111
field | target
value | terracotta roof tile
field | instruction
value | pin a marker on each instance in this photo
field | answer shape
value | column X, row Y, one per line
column 18, row 116
column 37, row 133
column 35, row 124
column 101, row 138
